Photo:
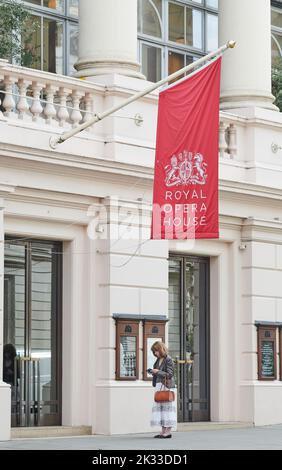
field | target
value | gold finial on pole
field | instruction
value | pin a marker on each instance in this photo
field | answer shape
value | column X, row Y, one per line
column 231, row 44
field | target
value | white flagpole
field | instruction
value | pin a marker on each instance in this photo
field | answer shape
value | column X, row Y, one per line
column 55, row 140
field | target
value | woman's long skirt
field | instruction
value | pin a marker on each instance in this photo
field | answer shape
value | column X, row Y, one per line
column 163, row 413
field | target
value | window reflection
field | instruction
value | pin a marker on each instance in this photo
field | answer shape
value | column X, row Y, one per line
column 212, row 32
column 194, row 28
column 276, row 18
column 276, row 47
column 176, row 23
column 212, row 3
column 73, row 47
column 32, row 44
column 150, row 17
column 45, row 49
column 73, row 7
column 151, row 62
column 54, row 4
column 188, row 26
column 52, row 46
column 175, row 62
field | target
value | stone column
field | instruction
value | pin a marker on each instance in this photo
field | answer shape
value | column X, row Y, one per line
column 108, row 38
column 246, row 74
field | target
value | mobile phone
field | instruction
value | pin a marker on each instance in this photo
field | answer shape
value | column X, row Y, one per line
column 149, row 371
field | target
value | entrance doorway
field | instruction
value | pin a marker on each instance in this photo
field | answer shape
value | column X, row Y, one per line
column 32, row 331
column 189, row 335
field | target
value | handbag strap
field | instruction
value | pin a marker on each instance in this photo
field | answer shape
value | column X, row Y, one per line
column 164, row 384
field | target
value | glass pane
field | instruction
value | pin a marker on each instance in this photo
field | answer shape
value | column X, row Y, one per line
column 151, row 18
column 194, row 28
column 14, row 319
column 73, row 8
column 267, row 359
column 192, row 327
column 43, row 319
column 276, row 46
column 151, row 62
column 212, row 3
column 36, row 2
column 55, row 4
column 52, row 46
column 151, row 359
column 32, row 44
column 73, row 47
column 175, row 62
column 276, row 18
column 212, row 32
column 14, row 306
column 174, row 308
column 176, row 23
column 128, row 356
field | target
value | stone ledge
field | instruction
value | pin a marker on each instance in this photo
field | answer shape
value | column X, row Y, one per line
column 50, row 431
column 212, row 426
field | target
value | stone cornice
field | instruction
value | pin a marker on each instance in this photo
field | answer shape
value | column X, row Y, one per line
column 6, row 188
column 114, row 172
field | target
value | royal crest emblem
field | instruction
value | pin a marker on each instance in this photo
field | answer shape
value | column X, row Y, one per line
column 186, row 168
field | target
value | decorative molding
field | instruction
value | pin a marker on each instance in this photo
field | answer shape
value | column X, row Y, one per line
column 6, row 188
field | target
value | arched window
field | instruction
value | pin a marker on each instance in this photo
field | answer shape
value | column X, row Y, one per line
column 276, row 46
column 173, row 33
column 150, row 17
column 276, row 26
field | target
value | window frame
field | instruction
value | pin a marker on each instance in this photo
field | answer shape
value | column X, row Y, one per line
column 261, row 329
column 142, row 42
column 67, row 20
column 167, row 45
column 147, row 326
column 121, row 324
column 275, row 30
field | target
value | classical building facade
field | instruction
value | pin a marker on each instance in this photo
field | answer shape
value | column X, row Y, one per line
column 83, row 290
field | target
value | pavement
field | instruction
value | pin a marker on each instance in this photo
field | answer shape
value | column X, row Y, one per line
column 255, row 438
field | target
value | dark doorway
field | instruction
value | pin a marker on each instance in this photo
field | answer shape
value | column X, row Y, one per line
column 32, row 330
column 189, row 335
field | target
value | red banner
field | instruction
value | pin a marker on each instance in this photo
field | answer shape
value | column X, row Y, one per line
column 185, row 198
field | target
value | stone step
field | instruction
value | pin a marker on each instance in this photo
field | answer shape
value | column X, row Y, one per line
column 50, row 431
column 212, row 425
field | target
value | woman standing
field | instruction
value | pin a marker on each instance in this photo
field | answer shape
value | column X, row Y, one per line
column 163, row 413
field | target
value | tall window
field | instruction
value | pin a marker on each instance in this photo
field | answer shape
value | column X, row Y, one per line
column 53, row 46
column 174, row 33
column 276, row 36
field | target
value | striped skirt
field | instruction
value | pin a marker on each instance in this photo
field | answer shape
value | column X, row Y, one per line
column 163, row 413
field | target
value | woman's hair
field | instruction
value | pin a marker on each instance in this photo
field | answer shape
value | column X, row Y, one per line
column 161, row 347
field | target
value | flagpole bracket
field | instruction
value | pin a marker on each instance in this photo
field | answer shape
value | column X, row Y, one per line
column 231, row 44
column 138, row 119
column 54, row 141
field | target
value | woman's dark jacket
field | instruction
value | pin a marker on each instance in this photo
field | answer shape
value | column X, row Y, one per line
column 166, row 370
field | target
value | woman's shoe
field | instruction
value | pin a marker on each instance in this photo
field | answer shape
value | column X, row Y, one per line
column 158, row 436
column 168, row 436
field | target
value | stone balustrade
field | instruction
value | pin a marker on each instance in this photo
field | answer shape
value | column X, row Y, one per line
column 45, row 98
column 64, row 102
column 227, row 137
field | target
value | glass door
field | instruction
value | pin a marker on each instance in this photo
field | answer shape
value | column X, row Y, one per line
column 32, row 331
column 189, row 335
